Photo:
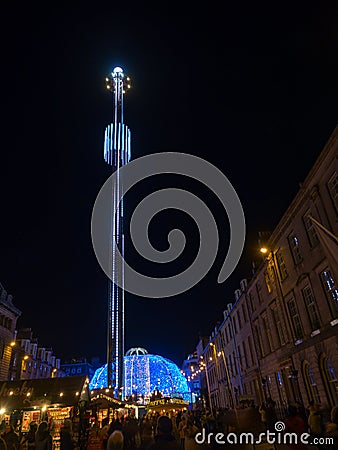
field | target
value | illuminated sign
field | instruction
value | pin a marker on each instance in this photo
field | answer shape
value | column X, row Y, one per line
column 18, row 391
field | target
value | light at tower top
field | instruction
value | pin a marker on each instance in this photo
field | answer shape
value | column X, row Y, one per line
column 117, row 79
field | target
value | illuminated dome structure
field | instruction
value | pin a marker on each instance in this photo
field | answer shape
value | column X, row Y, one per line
column 144, row 374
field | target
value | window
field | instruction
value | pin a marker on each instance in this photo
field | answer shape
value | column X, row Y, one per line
column 330, row 289
column 239, row 321
column 239, row 353
column 310, row 230
column 79, row 370
column 245, row 316
column 258, row 339
column 310, row 383
column 333, row 189
column 268, row 335
column 279, row 326
column 230, row 365
column 268, row 281
column 295, row 319
column 251, row 350
column 259, row 292
column 311, row 307
column 251, row 303
column 223, row 338
column 281, row 265
column 234, row 363
column 294, row 247
column 245, row 355
column 234, row 324
column 226, row 335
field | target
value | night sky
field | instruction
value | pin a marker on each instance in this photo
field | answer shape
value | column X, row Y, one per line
column 252, row 90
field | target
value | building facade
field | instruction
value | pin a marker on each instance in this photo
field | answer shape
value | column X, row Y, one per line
column 9, row 315
column 30, row 360
column 191, row 370
column 80, row 367
column 279, row 338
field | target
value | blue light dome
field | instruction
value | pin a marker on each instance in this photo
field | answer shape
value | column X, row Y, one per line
column 145, row 373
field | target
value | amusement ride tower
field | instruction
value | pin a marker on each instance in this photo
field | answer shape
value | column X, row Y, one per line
column 116, row 154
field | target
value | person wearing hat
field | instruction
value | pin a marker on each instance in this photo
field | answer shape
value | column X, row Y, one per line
column 164, row 438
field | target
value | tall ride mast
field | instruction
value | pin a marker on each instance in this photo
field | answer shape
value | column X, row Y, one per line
column 117, row 154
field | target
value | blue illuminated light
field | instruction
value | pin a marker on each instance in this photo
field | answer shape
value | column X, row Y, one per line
column 145, row 373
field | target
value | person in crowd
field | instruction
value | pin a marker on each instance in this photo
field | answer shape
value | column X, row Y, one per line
column 3, row 445
column 115, row 441
column 181, row 426
column 190, row 431
column 262, row 412
column 43, row 438
column 28, row 440
column 210, row 422
column 315, row 421
column 146, row 432
column 164, row 439
column 332, row 430
column 294, row 423
column 302, row 411
column 271, row 417
column 10, row 437
column 66, row 436
column 115, row 424
column 104, row 433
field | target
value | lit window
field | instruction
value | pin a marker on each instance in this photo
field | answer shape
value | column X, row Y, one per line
column 330, row 289
column 294, row 247
column 268, row 281
column 281, row 265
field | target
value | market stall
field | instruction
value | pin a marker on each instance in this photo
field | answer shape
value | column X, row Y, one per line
column 50, row 399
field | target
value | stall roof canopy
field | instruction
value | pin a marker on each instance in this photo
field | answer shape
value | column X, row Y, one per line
column 65, row 391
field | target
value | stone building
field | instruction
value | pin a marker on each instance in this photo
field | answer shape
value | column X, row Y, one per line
column 279, row 337
column 8, row 317
column 30, row 360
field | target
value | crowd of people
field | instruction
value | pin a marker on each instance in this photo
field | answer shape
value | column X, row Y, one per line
column 38, row 437
column 172, row 431
column 300, row 420
column 176, row 430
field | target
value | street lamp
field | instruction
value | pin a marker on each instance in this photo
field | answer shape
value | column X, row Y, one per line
column 216, row 361
column 208, row 387
column 231, row 393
